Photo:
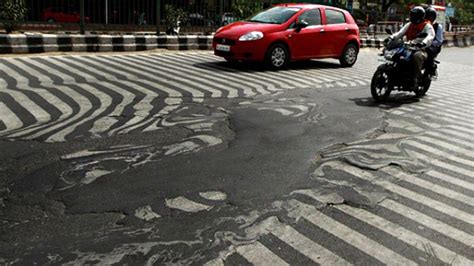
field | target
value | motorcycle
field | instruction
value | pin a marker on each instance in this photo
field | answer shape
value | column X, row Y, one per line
column 396, row 71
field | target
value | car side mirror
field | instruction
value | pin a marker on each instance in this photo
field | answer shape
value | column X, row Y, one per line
column 388, row 31
column 301, row 25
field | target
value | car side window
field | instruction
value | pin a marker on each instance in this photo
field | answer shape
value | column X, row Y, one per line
column 312, row 17
column 335, row 17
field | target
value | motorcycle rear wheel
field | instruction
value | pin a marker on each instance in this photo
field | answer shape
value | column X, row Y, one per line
column 379, row 86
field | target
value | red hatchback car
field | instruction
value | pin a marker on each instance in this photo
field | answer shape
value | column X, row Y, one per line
column 58, row 15
column 291, row 32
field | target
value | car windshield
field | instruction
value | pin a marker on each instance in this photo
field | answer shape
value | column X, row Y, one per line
column 275, row 15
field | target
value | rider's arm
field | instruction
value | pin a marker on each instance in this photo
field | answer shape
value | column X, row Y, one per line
column 431, row 34
column 401, row 33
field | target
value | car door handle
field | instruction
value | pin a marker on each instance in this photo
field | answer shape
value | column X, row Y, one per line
column 322, row 31
column 347, row 29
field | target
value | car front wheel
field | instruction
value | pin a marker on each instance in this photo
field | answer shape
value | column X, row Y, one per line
column 349, row 55
column 277, row 56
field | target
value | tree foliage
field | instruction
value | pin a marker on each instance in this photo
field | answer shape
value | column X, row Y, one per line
column 464, row 12
column 245, row 8
column 12, row 12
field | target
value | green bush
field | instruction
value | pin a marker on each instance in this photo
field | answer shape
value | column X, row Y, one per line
column 12, row 12
column 243, row 9
column 173, row 15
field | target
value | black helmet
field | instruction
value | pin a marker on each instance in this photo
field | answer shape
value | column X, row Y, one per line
column 417, row 15
column 430, row 14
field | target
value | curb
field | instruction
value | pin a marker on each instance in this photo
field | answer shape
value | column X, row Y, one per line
column 40, row 43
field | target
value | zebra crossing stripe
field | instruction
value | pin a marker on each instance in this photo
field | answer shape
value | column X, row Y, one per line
column 442, row 164
column 40, row 91
column 243, row 76
column 451, row 179
column 431, row 186
column 434, row 151
column 429, row 222
column 426, row 201
column 84, row 103
column 453, row 145
column 209, row 80
column 103, row 124
column 39, row 113
column 304, row 245
column 405, row 235
column 346, row 234
column 9, row 118
column 104, row 101
column 260, row 88
column 187, row 205
column 259, row 255
column 180, row 75
column 140, row 108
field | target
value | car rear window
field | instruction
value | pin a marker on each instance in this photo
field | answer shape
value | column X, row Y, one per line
column 335, row 17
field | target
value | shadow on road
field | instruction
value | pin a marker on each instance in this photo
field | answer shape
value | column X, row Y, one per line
column 394, row 101
column 261, row 67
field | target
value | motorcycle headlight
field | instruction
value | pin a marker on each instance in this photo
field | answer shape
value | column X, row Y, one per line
column 251, row 36
column 389, row 54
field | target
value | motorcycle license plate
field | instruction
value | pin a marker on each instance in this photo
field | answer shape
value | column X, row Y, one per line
column 223, row 48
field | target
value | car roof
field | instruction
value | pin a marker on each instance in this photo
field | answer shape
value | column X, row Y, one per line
column 306, row 6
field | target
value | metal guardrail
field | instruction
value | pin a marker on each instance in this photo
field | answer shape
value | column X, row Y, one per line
column 126, row 15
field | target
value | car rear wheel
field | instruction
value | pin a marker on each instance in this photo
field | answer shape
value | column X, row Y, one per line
column 349, row 55
column 277, row 56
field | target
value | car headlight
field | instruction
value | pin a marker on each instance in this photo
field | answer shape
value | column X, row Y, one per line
column 251, row 36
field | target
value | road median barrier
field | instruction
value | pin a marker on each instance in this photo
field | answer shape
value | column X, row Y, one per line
column 41, row 43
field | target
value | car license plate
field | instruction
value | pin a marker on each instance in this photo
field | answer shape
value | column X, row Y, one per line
column 224, row 48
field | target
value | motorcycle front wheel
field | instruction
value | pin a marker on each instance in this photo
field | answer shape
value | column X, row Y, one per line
column 379, row 86
column 423, row 87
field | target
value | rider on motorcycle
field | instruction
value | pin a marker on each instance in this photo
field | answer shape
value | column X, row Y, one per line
column 435, row 48
column 411, row 30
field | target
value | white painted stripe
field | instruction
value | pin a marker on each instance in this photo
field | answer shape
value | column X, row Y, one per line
column 262, row 75
column 187, row 205
column 103, row 124
column 305, row 246
column 429, row 222
column 346, row 234
column 180, row 74
column 442, row 164
column 142, row 108
column 433, row 152
column 104, row 99
column 430, row 186
column 453, row 131
column 445, row 116
column 176, row 81
column 439, row 206
column 452, row 144
column 84, row 103
column 404, row 235
column 243, row 76
column 259, row 255
column 9, row 118
column 214, row 75
column 209, row 80
column 22, row 99
column 46, row 95
column 451, row 179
